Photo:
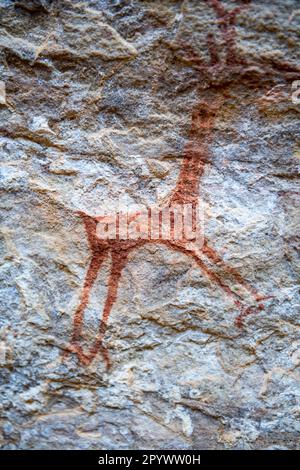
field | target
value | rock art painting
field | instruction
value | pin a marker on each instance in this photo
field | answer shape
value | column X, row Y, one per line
column 195, row 156
column 149, row 228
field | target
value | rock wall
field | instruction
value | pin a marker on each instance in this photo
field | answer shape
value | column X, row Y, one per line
column 155, row 101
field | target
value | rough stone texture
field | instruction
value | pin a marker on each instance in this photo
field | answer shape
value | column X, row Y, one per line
column 96, row 99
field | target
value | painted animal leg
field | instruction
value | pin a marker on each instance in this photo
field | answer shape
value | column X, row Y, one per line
column 90, row 278
column 244, row 311
column 118, row 261
column 211, row 254
column 256, row 296
column 206, row 270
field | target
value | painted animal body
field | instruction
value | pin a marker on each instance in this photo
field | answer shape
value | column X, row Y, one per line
column 196, row 154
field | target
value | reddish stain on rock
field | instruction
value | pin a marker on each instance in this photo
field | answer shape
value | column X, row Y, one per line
column 195, row 157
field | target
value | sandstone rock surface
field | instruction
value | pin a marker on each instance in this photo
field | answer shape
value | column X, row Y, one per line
column 97, row 101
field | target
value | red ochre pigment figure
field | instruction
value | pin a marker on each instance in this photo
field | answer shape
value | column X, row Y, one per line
column 195, row 156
